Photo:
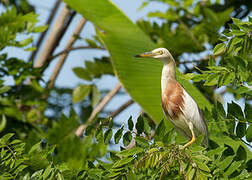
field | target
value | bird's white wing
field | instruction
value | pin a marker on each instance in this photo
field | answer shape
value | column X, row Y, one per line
column 193, row 114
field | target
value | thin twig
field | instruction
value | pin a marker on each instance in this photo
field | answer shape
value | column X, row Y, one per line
column 98, row 109
column 72, row 49
column 121, row 108
column 63, row 56
column 59, row 24
column 48, row 22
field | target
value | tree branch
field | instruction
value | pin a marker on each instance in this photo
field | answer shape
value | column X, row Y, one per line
column 54, row 33
column 72, row 49
column 98, row 109
column 121, row 108
column 48, row 22
column 64, row 55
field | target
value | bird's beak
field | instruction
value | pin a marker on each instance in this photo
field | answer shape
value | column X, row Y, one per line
column 146, row 54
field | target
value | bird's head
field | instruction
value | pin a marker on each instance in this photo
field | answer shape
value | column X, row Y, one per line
column 159, row 53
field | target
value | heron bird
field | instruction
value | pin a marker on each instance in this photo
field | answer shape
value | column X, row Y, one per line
column 178, row 106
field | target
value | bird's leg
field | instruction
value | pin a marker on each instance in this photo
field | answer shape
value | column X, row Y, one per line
column 193, row 136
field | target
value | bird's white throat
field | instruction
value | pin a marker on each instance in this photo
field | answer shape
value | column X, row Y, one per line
column 168, row 74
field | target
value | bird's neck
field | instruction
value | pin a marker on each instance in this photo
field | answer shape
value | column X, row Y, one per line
column 168, row 74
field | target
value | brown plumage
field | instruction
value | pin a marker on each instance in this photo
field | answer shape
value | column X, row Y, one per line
column 173, row 100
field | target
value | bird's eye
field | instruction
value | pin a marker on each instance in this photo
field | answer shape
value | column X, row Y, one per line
column 160, row 52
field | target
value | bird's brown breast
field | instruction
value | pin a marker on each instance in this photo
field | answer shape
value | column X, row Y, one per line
column 173, row 100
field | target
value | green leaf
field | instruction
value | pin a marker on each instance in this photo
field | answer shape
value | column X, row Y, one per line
column 35, row 147
column 3, row 123
column 30, row 49
column 39, row 29
column 140, row 125
column 233, row 167
column 25, row 42
column 130, row 152
column 141, row 79
column 220, row 109
column 4, row 89
column 111, row 123
column 228, row 78
column 81, row 92
column 219, row 49
column 227, row 33
column 6, row 138
column 160, row 131
column 127, row 137
column 91, row 43
column 237, row 40
column 233, row 42
column 118, row 135
column 59, row 176
column 140, row 141
column 89, row 129
column 241, row 129
column 249, row 134
column 122, row 162
column 225, row 163
column 107, row 136
column 95, row 96
column 244, row 174
column 211, row 61
column 199, row 77
column 235, row 110
column 248, row 112
column 203, row 166
column 211, row 80
column 202, row 157
column 130, row 123
column 190, row 173
column 223, row 38
column 144, row 4
column 241, row 153
column 82, row 73
column 238, row 32
column 47, row 172
column 147, row 128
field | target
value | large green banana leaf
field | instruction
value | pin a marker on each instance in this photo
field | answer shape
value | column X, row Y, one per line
column 123, row 39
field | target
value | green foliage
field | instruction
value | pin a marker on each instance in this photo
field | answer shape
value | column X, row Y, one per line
column 94, row 69
column 146, row 159
column 21, row 71
column 234, row 69
column 37, row 140
column 13, row 23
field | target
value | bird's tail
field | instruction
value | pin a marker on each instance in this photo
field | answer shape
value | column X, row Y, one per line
column 205, row 141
